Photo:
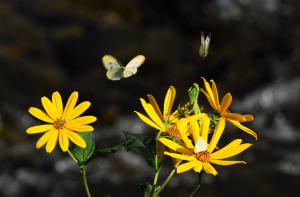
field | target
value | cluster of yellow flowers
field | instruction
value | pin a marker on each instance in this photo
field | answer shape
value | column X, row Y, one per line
column 187, row 137
column 188, row 134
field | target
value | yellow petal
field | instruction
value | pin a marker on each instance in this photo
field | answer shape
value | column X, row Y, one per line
column 230, row 152
column 83, row 120
column 234, row 116
column 215, row 93
column 225, row 163
column 198, row 116
column 225, row 103
column 75, row 138
column 195, row 129
column 70, row 104
column 175, row 147
column 230, row 145
column 40, row 114
column 180, row 156
column 187, row 166
column 237, row 124
column 63, row 140
column 45, row 138
column 248, row 118
column 57, row 104
column 52, row 141
column 210, row 169
column 155, row 106
column 212, row 104
column 205, row 128
column 149, row 122
column 183, row 130
column 77, row 111
column 48, row 106
column 151, row 112
column 217, row 134
column 161, row 150
column 169, row 100
column 175, row 160
column 210, row 94
column 79, row 127
column 39, row 129
column 199, row 167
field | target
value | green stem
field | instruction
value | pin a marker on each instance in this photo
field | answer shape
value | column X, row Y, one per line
column 162, row 162
column 157, row 169
column 84, row 181
column 72, row 156
column 154, row 183
column 82, row 168
column 156, row 150
column 167, row 180
column 198, row 185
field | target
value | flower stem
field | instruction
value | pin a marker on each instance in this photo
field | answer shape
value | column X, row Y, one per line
column 84, row 181
column 82, row 168
column 156, row 168
column 154, row 183
column 167, row 180
column 198, row 185
column 72, row 156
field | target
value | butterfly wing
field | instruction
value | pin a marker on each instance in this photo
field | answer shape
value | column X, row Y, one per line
column 200, row 145
column 110, row 62
column 129, row 71
column 202, row 38
column 202, row 46
column 116, row 73
column 137, row 61
column 131, row 67
column 206, row 44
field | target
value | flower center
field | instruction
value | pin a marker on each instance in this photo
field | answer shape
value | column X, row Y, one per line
column 59, row 124
column 173, row 131
column 203, row 156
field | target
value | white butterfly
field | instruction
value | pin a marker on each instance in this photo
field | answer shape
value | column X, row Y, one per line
column 115, row 70
column 200, row 145
column 203, row 51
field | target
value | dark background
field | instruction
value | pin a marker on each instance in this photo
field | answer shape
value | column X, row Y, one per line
column 58, row 45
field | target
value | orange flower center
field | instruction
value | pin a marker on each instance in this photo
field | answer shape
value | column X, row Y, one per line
column 203, row 156
column 59, row 124
column 173, row 131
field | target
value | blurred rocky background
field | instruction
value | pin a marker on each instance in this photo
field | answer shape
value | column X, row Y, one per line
column 58, row 45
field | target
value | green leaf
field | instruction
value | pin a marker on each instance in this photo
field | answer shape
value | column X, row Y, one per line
column 110, row 150
column 147, row 189
column 82, row 154
column 143, row 144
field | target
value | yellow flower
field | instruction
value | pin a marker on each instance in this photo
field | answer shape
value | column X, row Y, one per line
column 63, row 123
column 157, row 119
column 213, row 99
column 201, row 155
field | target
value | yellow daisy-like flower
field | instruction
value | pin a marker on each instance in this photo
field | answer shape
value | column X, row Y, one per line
column 213, row 99
column 157, row 119
column 63, row 123
column 201, row 155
